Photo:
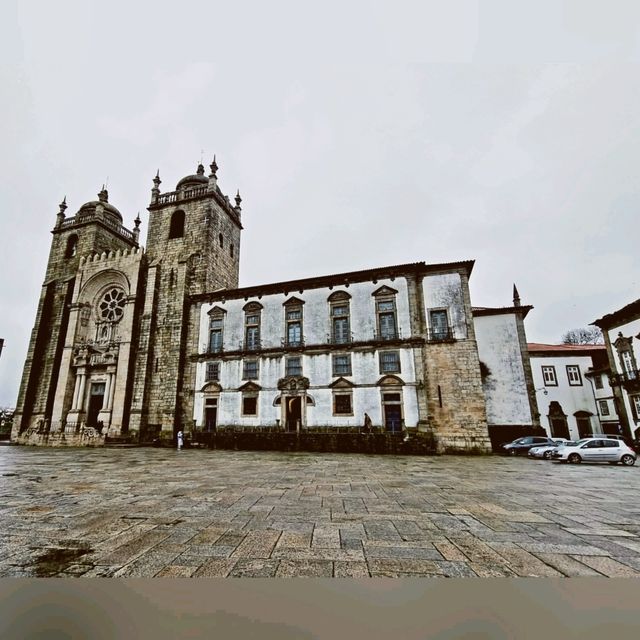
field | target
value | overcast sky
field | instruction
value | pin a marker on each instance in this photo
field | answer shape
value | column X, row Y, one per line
column 360, row 134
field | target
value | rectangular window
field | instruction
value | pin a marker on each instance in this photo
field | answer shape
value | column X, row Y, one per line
column 387, row 328
column 598, row 381
column 342, row 404
column 294, row 327
column 439, row 325
column 604, row 407
column 293, row 367
column 340, row 325
column 390, row 362
column 215, row 335
column 250, row 370
column 549, row 376
column 627, row 362
column 213, row 371
column 573, row 375
column 342, row 365
column 635, row 401
column 252, row 331
column 249, row 405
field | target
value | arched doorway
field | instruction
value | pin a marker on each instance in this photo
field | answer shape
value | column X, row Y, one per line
column 583, row 422
column 558, row 421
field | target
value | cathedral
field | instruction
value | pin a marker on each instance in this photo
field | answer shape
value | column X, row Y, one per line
column 133, row 344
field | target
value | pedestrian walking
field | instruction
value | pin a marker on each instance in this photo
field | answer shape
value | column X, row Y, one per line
column 180, row 440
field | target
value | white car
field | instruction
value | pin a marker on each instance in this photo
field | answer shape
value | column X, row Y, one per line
column 596, row 450
column 545, row 450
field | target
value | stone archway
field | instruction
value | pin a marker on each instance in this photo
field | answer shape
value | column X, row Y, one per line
column 558, row 421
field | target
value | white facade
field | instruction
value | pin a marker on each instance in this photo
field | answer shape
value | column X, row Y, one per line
column 504, row 382
column 624, row 341
column 565, row 392
column 364, row 381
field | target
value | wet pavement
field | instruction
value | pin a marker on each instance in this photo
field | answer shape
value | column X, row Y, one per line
column 158, row 512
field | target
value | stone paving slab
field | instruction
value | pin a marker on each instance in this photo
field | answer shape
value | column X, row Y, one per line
column 157, row 512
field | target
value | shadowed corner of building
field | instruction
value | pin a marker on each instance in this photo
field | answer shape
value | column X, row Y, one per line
column 57, row 610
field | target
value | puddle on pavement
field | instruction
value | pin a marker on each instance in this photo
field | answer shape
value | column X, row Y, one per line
column 53, row 561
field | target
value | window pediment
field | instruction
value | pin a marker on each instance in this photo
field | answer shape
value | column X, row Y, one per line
column 216, row 311
column 339, row 296
column 341, row 383
column 252, row 307
column 293, row 301
column 211, row 387
column 250, row 387
column 384, row 290
column 387, row 381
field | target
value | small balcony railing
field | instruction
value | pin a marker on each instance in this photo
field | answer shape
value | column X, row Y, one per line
column 250, row 345
column 440, row 335
column 395, row 334
column 626, row 379
column 340, row 338
column 292, row 343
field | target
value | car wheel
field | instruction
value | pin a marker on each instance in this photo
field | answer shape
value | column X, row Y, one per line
column 574, row 458
column 628, row 460
column 547, row 455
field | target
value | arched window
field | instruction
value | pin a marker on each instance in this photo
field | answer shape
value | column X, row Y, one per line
column 72, row 246
column 176, row 228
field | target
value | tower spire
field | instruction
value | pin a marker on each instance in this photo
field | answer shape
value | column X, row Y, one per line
column 516, row 297
column 62, row 208
column 155, row 192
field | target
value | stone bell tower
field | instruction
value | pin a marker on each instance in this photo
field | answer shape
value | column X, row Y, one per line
column 193, row 246
column 96, row 229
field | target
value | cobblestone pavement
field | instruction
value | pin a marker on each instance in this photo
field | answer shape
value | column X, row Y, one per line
column 157, row 512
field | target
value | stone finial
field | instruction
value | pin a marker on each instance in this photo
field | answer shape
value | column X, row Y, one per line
column 103, row 196
column 60, row 216
column 214, row 168
column 136, row 228
column 200, row 170
column 238, row 199
column 155, row 192
column 516, row 297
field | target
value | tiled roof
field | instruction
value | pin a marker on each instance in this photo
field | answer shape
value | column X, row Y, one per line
column 565, row 348
column 337, row 279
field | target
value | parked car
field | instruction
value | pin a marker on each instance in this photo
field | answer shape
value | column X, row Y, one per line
column 522, row 445
column 544, row 451
column 611, row 450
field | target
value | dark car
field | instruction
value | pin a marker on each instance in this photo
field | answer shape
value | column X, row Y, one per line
column 522, row 445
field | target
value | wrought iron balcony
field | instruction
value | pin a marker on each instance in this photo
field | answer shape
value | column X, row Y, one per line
column 630, row 380
column 250, row 345
column 340, row 338
column 440, row 335
column 394, row 334
column 291, row 343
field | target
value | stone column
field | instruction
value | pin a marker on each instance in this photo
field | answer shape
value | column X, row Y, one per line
column 83, row 380
column 112, row 390
column 76, row 393
column 106, row 405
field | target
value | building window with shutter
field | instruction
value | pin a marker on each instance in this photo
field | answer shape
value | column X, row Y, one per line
column 573, row 375
column 389, row 362
column 212, row 372
column 549, row 376
column 250, row 370
column 342, row 365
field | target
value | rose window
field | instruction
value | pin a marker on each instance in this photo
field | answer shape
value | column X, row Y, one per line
column 111, row 307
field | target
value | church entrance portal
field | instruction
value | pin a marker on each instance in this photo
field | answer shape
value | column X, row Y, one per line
column 294, row 413
column 96, row 400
